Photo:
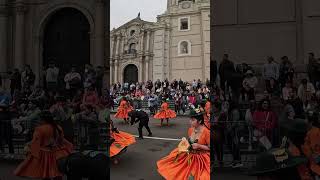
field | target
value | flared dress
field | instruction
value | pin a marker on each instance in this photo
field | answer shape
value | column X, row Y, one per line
column 196, row 164
column 122, row 140
column 41, row 162
column 165, row 112
column 123, row 110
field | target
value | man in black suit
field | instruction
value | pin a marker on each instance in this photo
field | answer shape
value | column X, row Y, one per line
column 142, row 117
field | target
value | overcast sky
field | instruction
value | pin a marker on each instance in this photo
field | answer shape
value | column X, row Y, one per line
column 123, row 11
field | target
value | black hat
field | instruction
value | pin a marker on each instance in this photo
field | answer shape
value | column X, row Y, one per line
column 275, row 160
column 196, row 113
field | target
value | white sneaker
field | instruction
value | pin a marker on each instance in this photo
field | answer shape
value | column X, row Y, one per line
column 237, row 165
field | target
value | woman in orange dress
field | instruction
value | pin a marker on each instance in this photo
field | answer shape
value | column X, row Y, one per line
column 195, row 163
column 123, row 110
column 121, row 141
column 311, row 147
column 47, row 146
column 165, row 112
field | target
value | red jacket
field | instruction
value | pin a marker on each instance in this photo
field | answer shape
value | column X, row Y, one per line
column 264, row 122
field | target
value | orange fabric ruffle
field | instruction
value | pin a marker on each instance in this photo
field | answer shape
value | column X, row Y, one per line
column 311, row 148
column 123, row 110
column 122, row 140
column 172, row 168
column 181, row 167
column 41, row 162
column 165, row 112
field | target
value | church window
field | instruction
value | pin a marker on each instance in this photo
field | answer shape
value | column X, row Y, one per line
column 184, row 24
column 184, row 48
column 132, row 32
column 132, row 48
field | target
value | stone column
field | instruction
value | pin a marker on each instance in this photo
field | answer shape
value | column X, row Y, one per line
column 19, row 58
column 3, row 36
column 148, row 41
column 142, row 41
column 141, row 70
column 116, row 79
column 122, row 45
column 147, row 69
column 99, row 32
column 117, row 45
column 111, row 71
column 111, row 46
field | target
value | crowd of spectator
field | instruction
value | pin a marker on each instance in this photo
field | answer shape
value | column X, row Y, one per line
column 250, row 115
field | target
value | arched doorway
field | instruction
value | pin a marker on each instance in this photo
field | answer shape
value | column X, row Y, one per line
column 66, row 40
column 130, row 74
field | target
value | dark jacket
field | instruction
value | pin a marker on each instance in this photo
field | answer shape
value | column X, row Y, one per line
column 139, row 115
column 5, row 124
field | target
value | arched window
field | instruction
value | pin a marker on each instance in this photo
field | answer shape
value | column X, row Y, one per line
column 132, row 48
column 132, row 32
column 184, row 48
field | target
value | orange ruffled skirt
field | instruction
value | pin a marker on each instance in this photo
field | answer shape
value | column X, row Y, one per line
column 122, row 140
column 122, row 113
column 165, row 114
column 43, row 167
column 185, row 166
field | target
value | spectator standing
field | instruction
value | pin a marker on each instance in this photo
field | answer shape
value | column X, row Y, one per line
column 52, row 75
column 73, row 82
column 286, row 71
column 226, row 70
column 99, row 79
column 270, row 71
column 15, row 81
column 249, row 84
column 89, row 77
column 313, row 68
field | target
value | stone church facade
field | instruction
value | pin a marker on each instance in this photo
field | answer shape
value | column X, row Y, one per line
column 32, row 32
column 176, row 46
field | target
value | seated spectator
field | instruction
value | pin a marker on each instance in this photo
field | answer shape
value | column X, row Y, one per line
column 38, row 95
column 4, row 97
column 61, row 110
column 233, row 134
column 249, row 84
column 249, row 120
column 286, row 91
column 88, row 123
column 29, row 120
column 264, row 123
column 90, row 97
column 297, row 104
column 306, row 91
